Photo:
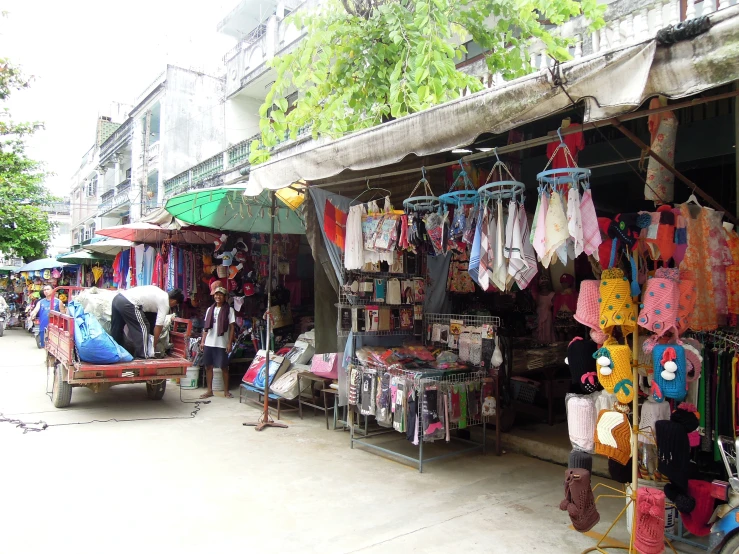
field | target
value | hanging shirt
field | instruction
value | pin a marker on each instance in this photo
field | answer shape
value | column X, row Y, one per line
column 139, row 250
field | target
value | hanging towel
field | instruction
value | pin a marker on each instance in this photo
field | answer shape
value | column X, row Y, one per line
column 574, row 221
column 500, row 273
column 485, row 258
column 589, row 221
column 556, row 230
column 535, row 220
column 526, row 274
column 514, row 241
column 474, row 267
column 566, row 250
column 541, row 226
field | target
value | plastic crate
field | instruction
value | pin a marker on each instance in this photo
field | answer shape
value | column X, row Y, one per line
column 524, row 390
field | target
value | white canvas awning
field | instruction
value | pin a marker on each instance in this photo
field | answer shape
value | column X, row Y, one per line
column 611, row 84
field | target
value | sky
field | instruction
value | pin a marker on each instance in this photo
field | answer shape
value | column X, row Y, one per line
column 85, row 54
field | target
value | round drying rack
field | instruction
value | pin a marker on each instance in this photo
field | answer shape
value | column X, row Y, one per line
column 465, row 196
column 427, row 202
column 505, row 186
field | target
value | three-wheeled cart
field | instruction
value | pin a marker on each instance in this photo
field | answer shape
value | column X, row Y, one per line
column 70, row 372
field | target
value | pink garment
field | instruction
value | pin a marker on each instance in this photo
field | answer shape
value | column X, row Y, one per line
column 157, row 276
column 565, row 299
column 545, row 329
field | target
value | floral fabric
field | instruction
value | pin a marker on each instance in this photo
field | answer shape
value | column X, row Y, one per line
column 707, row 257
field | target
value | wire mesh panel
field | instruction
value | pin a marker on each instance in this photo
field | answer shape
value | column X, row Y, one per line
column 440, row 329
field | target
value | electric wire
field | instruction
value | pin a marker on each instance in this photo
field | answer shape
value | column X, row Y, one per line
column 37, row 426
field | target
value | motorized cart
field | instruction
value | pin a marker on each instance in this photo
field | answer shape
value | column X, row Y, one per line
column 70, row 372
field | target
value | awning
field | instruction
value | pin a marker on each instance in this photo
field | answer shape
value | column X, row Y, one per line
column 40, row 265
column 610, row 84
column 227, row 209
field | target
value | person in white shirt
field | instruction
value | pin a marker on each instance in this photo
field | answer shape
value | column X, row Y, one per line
column 218, row 339
column 142, row 309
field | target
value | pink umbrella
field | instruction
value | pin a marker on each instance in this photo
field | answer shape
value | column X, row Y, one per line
column 155, row 234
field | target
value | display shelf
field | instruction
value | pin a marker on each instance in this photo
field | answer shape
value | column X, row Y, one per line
column 421, row 380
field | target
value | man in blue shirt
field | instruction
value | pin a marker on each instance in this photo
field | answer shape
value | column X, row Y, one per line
column 42, row 309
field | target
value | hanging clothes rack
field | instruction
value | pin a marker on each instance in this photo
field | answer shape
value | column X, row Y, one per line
column 466, row 196
column 501, row 187
column 428, row 202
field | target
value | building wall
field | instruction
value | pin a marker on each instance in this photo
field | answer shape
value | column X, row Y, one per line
column 193, row 120
column 241, row 118
column 61, row 239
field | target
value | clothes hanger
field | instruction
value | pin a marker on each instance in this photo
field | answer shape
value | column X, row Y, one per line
column 371, row 189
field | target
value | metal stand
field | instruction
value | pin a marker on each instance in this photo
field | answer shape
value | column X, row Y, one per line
column 420, row 383
column 265, row 420
column 630, row 495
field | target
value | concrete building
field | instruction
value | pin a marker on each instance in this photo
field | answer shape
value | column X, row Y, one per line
column 176, row 121
column 61, row 238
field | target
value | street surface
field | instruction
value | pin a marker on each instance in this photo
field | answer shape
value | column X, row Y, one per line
column 209, row 484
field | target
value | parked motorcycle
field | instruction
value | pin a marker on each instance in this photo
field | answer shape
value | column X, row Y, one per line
column 724, row 537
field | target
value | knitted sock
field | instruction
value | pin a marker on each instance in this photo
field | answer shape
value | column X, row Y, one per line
column 616, row 306
column 613, row 436
column 619, row 472
column 580, row 422
column 666, row 233
column 580, row 460
column 697, row 520
column 674, row 452
column 614, row 370
column 650, row 521
column 682, row 501
column 583, row 513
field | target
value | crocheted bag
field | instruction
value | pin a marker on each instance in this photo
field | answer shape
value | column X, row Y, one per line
column 616, row 305
column 613, row 361
column 670, row 376
column 659, row 311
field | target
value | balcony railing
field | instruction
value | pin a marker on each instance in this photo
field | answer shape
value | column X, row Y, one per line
column 258, row 32
column 235, row 157
column 627, row 22
column 114, row 142
column 118, row 199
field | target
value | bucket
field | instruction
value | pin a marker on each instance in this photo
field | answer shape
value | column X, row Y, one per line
column 190, row 381
column 217, row 379
column 670, row 511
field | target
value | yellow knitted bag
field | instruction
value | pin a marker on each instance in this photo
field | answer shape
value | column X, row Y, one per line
column 616, row 305
column 613, row 362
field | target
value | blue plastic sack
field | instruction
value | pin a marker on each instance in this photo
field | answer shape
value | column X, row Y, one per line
column 94, row 345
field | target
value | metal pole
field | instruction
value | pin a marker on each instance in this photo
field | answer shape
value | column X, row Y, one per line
column 265, row 420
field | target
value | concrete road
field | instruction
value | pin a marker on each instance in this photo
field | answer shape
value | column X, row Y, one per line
column 208, row 484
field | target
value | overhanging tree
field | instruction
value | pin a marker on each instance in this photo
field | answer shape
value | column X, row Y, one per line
column 25, row 228
column 363, row 62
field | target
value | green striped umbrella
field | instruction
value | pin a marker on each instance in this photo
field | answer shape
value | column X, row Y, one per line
column 227, row 209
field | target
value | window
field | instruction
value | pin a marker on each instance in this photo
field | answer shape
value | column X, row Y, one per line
column 91, row 228
column 92, row 187
column 62, row 229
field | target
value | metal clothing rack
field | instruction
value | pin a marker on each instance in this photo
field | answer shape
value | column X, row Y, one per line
column 421, row 379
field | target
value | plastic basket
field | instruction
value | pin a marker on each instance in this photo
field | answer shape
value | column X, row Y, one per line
column 524, row 390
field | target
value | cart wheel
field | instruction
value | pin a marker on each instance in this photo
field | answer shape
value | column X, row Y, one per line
column 731, row 546
column 155, row 391
column 61, row 393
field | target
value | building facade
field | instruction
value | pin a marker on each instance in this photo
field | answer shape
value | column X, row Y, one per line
column 175, row 122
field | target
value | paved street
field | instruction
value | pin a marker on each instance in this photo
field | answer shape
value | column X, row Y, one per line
column 209, row 484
